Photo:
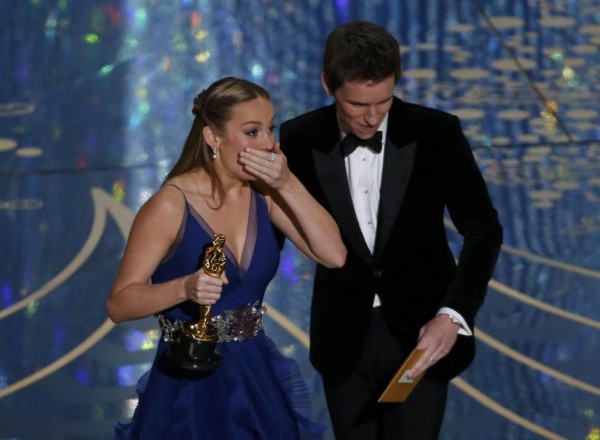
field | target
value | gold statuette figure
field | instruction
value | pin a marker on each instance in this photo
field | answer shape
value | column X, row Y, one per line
column 194, row 348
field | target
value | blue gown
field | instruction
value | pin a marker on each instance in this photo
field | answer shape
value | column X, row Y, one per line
column 256, row 393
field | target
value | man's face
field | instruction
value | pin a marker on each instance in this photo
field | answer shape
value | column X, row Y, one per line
column 361, row 106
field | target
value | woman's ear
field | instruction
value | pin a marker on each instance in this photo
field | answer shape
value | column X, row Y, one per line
column 210, row 137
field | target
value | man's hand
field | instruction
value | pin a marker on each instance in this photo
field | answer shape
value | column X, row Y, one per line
column 437, row 338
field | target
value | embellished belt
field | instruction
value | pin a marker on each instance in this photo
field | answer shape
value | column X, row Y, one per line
column 232, row 325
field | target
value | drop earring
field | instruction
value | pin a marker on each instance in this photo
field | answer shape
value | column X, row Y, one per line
column 214, row 154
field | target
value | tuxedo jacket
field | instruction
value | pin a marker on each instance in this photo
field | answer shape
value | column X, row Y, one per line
column 428, row 170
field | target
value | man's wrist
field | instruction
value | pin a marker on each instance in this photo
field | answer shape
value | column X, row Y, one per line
column 452, row 319
column 458, row 319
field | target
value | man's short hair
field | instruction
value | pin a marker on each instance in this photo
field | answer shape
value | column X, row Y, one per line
column 360, row 51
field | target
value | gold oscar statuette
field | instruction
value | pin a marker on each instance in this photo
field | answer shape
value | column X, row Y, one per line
column 194, row 347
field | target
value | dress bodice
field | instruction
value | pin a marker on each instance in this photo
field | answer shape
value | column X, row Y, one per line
column 248, row 278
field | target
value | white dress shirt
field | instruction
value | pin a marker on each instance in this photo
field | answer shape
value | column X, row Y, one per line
column 364, row 169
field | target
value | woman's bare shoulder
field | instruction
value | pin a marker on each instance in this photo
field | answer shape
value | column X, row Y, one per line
column 166, row 203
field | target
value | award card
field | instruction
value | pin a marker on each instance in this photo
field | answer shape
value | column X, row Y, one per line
column 401, row 384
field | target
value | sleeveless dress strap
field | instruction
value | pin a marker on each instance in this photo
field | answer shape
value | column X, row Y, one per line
column 180, row 190
column 186, row 213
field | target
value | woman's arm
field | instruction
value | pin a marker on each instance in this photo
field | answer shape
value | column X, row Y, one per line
column 307, row 224
column 294, row 211
column 153, row 232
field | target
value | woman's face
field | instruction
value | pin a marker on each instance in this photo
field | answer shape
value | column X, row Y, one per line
column 252, row 126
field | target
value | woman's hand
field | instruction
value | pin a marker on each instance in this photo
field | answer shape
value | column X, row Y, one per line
column 204, row 289
column 267, row 166
column 292, row 209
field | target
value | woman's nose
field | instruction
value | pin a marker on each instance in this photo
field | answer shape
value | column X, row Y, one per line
column 270, row 141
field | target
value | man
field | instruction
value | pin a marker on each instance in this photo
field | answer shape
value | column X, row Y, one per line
column 400, row 287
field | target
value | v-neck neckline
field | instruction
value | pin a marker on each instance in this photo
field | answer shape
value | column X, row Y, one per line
column 249, row 241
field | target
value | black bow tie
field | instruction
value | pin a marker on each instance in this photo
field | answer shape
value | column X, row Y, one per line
column 350, row 142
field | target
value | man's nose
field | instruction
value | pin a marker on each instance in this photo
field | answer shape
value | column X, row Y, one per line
column 370, row 115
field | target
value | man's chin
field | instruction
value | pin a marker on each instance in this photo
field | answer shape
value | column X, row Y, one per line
column 365, row 134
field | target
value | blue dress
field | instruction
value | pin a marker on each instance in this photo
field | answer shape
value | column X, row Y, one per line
column 256, row 393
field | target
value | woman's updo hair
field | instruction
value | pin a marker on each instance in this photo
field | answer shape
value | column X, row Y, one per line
column 213, row 106
column 197, row 108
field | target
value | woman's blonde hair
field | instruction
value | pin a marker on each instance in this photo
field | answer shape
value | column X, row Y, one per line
column 213, row 107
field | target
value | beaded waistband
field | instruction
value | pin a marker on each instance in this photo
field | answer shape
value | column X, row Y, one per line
column 232, row 325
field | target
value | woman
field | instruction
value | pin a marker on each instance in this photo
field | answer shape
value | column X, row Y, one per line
column 231, row 178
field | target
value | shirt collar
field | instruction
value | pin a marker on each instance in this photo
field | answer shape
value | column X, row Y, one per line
column 382, row 128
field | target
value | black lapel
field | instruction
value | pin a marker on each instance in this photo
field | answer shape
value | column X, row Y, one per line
column 397, row 168
column 331, row 172
column 398, row 163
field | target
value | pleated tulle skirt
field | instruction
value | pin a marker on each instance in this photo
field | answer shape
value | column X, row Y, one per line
column 256, row 393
